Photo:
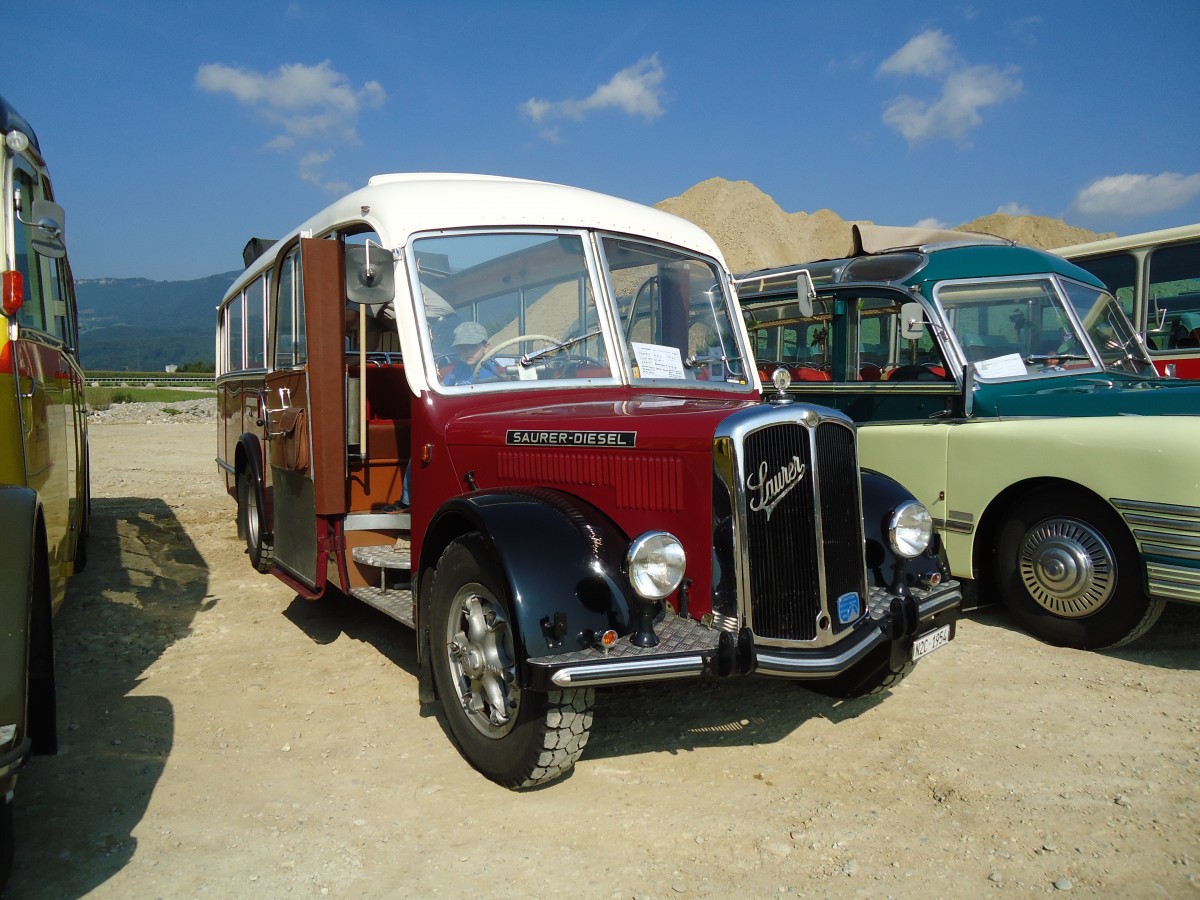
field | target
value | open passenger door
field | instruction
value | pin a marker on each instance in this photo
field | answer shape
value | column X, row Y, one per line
column 306, row 431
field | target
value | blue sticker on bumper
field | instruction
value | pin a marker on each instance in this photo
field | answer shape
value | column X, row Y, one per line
column 848, row 606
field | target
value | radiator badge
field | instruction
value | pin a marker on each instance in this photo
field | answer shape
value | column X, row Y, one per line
column 770, row 491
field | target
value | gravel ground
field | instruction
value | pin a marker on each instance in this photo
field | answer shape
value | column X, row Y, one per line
column 222, row 737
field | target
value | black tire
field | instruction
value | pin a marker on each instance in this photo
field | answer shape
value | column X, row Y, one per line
column 7, row 839
column 1069, row 573
column 874, row 675
column 252, row 521
column 517, row 738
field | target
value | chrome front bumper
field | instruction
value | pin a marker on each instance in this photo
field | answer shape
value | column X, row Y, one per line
column 689, row 649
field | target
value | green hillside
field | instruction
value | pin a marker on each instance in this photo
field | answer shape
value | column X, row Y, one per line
column 139, row 324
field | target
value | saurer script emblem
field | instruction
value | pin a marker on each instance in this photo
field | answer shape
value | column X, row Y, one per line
column 766, row 493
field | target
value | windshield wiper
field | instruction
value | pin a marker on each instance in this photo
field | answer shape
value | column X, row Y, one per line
column 530, row 358
column 1046, row 357
column 694, row 361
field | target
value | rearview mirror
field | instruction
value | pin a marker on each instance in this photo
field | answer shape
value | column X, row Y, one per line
column 806, row 293
column 370, row 275
column 912, row 321
column 48, row 236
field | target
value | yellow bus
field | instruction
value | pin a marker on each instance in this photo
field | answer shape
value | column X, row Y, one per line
column 44, row 483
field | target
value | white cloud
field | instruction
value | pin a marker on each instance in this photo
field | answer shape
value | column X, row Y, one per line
column 931, row 222
column 305, row 104
column 964, row 93
column 1130, row 196
column 1012, row 208
column 966, row 89
column 636, row 91
column 929, row 53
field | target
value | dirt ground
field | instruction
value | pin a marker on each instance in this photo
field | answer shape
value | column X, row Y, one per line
column 222, row 738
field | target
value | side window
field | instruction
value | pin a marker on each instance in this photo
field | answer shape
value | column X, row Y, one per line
column 1119, row 274
column 234, row 331
column 256, row 337
column 1173, row 303
column 291, row 345
column 33, row 311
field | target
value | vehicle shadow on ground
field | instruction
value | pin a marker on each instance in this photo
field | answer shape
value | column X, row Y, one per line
column 76, row 812
column 677, row 717
column 336, row 614
column 1171, row 643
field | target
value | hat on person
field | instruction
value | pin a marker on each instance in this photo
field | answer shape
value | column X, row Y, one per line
column 468, row 334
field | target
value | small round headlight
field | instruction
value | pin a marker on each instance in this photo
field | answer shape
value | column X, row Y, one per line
column 910, row 529
column 655, row 564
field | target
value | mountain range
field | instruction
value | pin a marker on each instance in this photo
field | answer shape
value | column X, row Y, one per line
column 142, row 325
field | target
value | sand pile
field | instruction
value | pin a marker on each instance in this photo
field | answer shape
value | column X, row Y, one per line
column 753, row 231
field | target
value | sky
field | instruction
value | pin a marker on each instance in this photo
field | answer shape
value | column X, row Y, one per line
column 175, row 132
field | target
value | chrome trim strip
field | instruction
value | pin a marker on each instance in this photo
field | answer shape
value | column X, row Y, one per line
column 820, row 667
column 1149, row 549
column 629, row 671
column 1189, row 512
column 1173, row 582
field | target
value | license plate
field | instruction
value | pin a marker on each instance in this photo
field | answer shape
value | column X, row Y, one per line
column 927, row 643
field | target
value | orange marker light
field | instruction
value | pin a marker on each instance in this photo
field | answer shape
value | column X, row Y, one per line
column 13, row 291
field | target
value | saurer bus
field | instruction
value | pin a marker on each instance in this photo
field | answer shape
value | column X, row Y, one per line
column 43, row 455
column 523, row 419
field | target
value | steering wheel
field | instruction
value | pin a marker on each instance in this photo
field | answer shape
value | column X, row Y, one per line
column 520, row 338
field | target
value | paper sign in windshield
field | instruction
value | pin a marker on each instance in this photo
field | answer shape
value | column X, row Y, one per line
column 657, row 361
column 1008, row 366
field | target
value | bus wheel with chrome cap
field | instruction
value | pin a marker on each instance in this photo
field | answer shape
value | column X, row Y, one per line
column 515, row 737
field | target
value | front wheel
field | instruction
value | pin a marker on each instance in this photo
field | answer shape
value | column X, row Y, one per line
column 1069, row 573
column 517, row 738
column 252, row 521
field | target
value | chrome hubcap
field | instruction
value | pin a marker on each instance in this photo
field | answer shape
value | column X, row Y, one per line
column 1067, row 567
column 479, row 646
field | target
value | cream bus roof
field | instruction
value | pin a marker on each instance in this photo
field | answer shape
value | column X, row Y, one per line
column 1131, row 241
column 398, row 205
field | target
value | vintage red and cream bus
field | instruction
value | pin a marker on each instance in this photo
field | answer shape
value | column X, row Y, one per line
column 44, row 500
column 1156, row 278
column 523, row 419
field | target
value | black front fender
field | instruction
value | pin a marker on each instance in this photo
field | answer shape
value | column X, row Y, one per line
column 561, row 559
column 881, row 495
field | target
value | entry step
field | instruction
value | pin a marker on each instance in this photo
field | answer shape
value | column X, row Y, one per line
column 395, row 602
column 384, row 556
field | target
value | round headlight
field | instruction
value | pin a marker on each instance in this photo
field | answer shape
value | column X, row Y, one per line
column 910, row 529
column 655, row 563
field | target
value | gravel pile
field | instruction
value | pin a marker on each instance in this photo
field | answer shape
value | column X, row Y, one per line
column 185, row 411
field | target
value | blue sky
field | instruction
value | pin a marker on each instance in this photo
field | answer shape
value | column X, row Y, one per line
column 175, row 132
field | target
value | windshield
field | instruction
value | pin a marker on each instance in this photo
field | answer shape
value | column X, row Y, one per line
column 674, row 314
column 1021, row 327
column 1111, row 331
column 510, row 308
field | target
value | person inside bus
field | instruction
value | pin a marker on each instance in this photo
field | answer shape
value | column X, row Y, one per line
column 470, row 346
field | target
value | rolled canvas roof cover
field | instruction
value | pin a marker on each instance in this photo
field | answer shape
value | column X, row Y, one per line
column 871, row 239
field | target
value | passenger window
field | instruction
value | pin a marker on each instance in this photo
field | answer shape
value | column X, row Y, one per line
column 290, row 341
column 33, row 310
column 233, row 335
column 256, row 338
column 1173, row 304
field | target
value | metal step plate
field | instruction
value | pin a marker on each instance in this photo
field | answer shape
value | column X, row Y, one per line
column 384, row 556
column 396, row 602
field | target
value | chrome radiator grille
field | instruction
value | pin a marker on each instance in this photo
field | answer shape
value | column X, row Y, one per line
column 802, row 528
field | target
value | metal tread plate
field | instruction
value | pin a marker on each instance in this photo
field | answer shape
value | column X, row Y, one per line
column 383, row 556
column 396, row 602
column 676, row 634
